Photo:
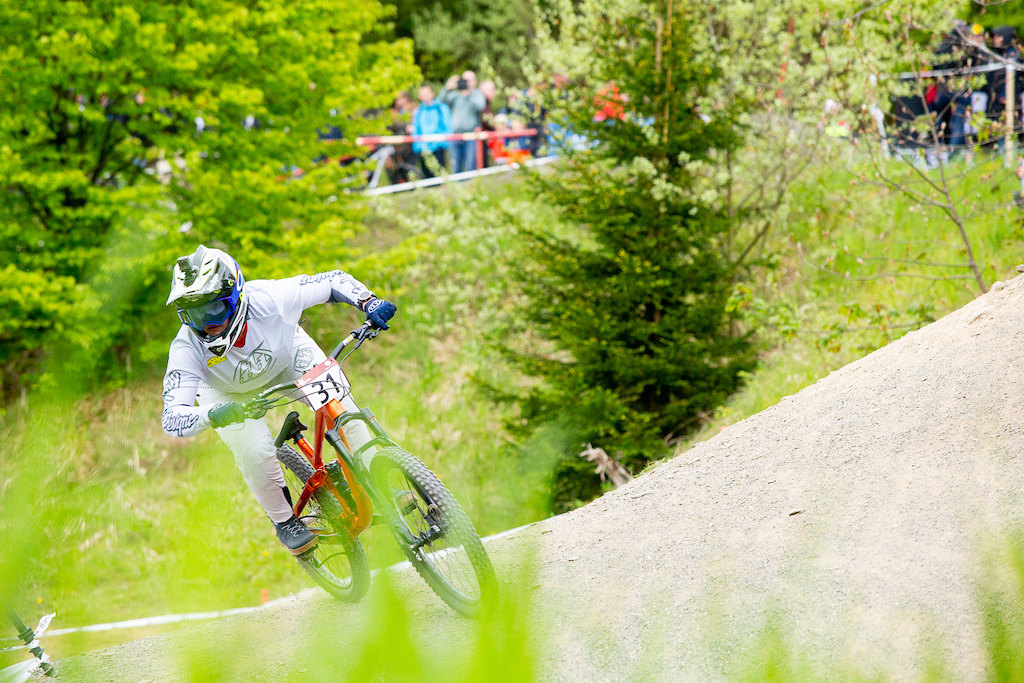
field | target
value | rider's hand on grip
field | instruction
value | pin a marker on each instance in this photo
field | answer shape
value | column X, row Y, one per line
column 226, row 414
column 379, row 312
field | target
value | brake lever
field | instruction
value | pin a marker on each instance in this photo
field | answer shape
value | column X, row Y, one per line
column 367, row 332
column 256, row 409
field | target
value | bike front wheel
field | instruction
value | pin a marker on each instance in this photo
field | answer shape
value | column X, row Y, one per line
column 338, row 562
column 434, row 532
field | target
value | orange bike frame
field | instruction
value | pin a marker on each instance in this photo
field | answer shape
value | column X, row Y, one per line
column 356, row 521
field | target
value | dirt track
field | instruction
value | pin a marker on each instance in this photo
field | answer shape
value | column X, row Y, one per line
column 903, row 465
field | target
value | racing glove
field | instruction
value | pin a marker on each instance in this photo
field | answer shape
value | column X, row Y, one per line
column 226, row 414
column 379, row 312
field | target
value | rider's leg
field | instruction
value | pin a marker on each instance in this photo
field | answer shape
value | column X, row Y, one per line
column 256, row 457
column 255, row 454
column 308, row 354
column 357, row 432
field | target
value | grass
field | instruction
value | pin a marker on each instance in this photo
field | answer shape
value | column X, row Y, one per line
column 831, row 302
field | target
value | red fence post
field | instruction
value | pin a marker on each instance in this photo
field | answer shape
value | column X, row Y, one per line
column 479, row 153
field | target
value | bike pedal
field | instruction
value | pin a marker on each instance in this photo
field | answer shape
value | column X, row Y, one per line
column 315, row 524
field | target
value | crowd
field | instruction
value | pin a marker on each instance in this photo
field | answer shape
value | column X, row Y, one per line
column 956, row 99
column 463, row 106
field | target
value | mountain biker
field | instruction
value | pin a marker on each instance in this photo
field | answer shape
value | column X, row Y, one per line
column 237, row 338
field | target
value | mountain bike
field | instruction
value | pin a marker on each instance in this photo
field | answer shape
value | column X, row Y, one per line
column 379, row 483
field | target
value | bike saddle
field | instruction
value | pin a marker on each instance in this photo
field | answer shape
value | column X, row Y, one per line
column 291, row 429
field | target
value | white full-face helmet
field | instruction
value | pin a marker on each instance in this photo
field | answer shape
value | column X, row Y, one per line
column 207, row 289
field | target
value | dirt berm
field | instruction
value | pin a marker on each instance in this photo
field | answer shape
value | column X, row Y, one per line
column 855, row 519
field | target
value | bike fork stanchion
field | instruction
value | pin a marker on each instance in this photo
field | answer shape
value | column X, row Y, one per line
column 29, row 636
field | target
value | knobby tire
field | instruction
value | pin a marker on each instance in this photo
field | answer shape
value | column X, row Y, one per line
column 454, row 565
column 328, row 506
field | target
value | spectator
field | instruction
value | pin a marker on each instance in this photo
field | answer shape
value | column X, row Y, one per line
column 974, row 55
column 488, row 90
column 952, row 104
column 430, row 118
column 523, row 143
column 534, row 117
column 502, row 153
column 557, row 135
column 1018, row 199
column 467, row 107
column 609, row 103
column 1004, row 43
column 525, row 107
column 404, row 158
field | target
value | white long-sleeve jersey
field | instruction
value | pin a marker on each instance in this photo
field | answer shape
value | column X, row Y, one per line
column 266, row 347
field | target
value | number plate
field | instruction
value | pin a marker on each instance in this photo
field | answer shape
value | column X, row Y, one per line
column 322, row 384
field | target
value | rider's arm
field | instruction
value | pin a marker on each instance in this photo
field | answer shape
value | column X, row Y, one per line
column 335, row 286
column 181, row 416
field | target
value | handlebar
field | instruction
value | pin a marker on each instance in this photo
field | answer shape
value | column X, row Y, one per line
column 258, row 405
column 365, row 331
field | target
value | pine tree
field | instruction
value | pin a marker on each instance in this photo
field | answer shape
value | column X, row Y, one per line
column 630, row 290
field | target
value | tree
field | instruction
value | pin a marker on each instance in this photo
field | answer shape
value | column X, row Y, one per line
column 475, row 34
column 116, row 113
column 920, row 152
column 629, row 295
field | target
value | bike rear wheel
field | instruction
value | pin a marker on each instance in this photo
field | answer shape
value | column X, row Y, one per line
column 338, row 562
column 434, row 532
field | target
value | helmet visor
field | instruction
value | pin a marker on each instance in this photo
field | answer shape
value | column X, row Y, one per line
column 214, row 311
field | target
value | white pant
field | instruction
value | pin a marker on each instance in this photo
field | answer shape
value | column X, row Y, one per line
column 253, row 445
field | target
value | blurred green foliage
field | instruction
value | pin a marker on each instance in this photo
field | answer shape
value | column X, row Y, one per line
column 993, row 14
column 1002, row 608
column 492, row 37
column 141, row 117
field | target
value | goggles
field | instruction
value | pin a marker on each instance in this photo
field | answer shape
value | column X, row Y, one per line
column 199, row 315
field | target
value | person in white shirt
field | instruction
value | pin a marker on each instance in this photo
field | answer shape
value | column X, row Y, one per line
column 238, row 338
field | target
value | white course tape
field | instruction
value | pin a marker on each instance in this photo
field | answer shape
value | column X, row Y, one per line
column 455, row 177
column 20, row 672
column 199, row 616
column 165, row 619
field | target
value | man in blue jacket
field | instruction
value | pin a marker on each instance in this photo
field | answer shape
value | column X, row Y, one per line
column 430, row 118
